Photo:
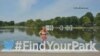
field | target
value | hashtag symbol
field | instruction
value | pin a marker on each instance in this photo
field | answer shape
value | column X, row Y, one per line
column 18, row 45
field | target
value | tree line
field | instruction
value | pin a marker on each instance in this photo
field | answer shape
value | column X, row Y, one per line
column 86, row 20
column 6, row 23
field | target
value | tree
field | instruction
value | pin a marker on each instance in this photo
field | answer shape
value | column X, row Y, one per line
column 54, row 22
column 21, row 24
column 11, row 23
column 74, row 20
column 39, row 23
column 97, row 19
column 90, row 16
column 30, row 23
column 68, row 20
column 86, row 21
column 1, row 23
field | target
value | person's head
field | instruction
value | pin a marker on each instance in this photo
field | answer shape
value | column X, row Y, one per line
column 43, row 28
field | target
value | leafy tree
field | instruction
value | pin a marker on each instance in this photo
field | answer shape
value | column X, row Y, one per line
column 90, row 16
column 54, row 22
column 21, row 24
column 86, row 21
column 74, row 20
column 30, row 23
column 97, row 19
column 38, row 23
column 11, row 23
column 1, row 23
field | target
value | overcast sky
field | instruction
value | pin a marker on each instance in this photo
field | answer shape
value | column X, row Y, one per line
column 22, row 10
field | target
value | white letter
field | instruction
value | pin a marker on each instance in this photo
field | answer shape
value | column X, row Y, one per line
column 50, row 44
column 25, row 44
column 42, row 46
column 74, row 45
column 56, row 46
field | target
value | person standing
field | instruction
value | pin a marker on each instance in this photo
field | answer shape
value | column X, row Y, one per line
column 43, row 34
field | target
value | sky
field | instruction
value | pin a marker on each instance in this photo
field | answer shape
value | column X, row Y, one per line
column 22, row 10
